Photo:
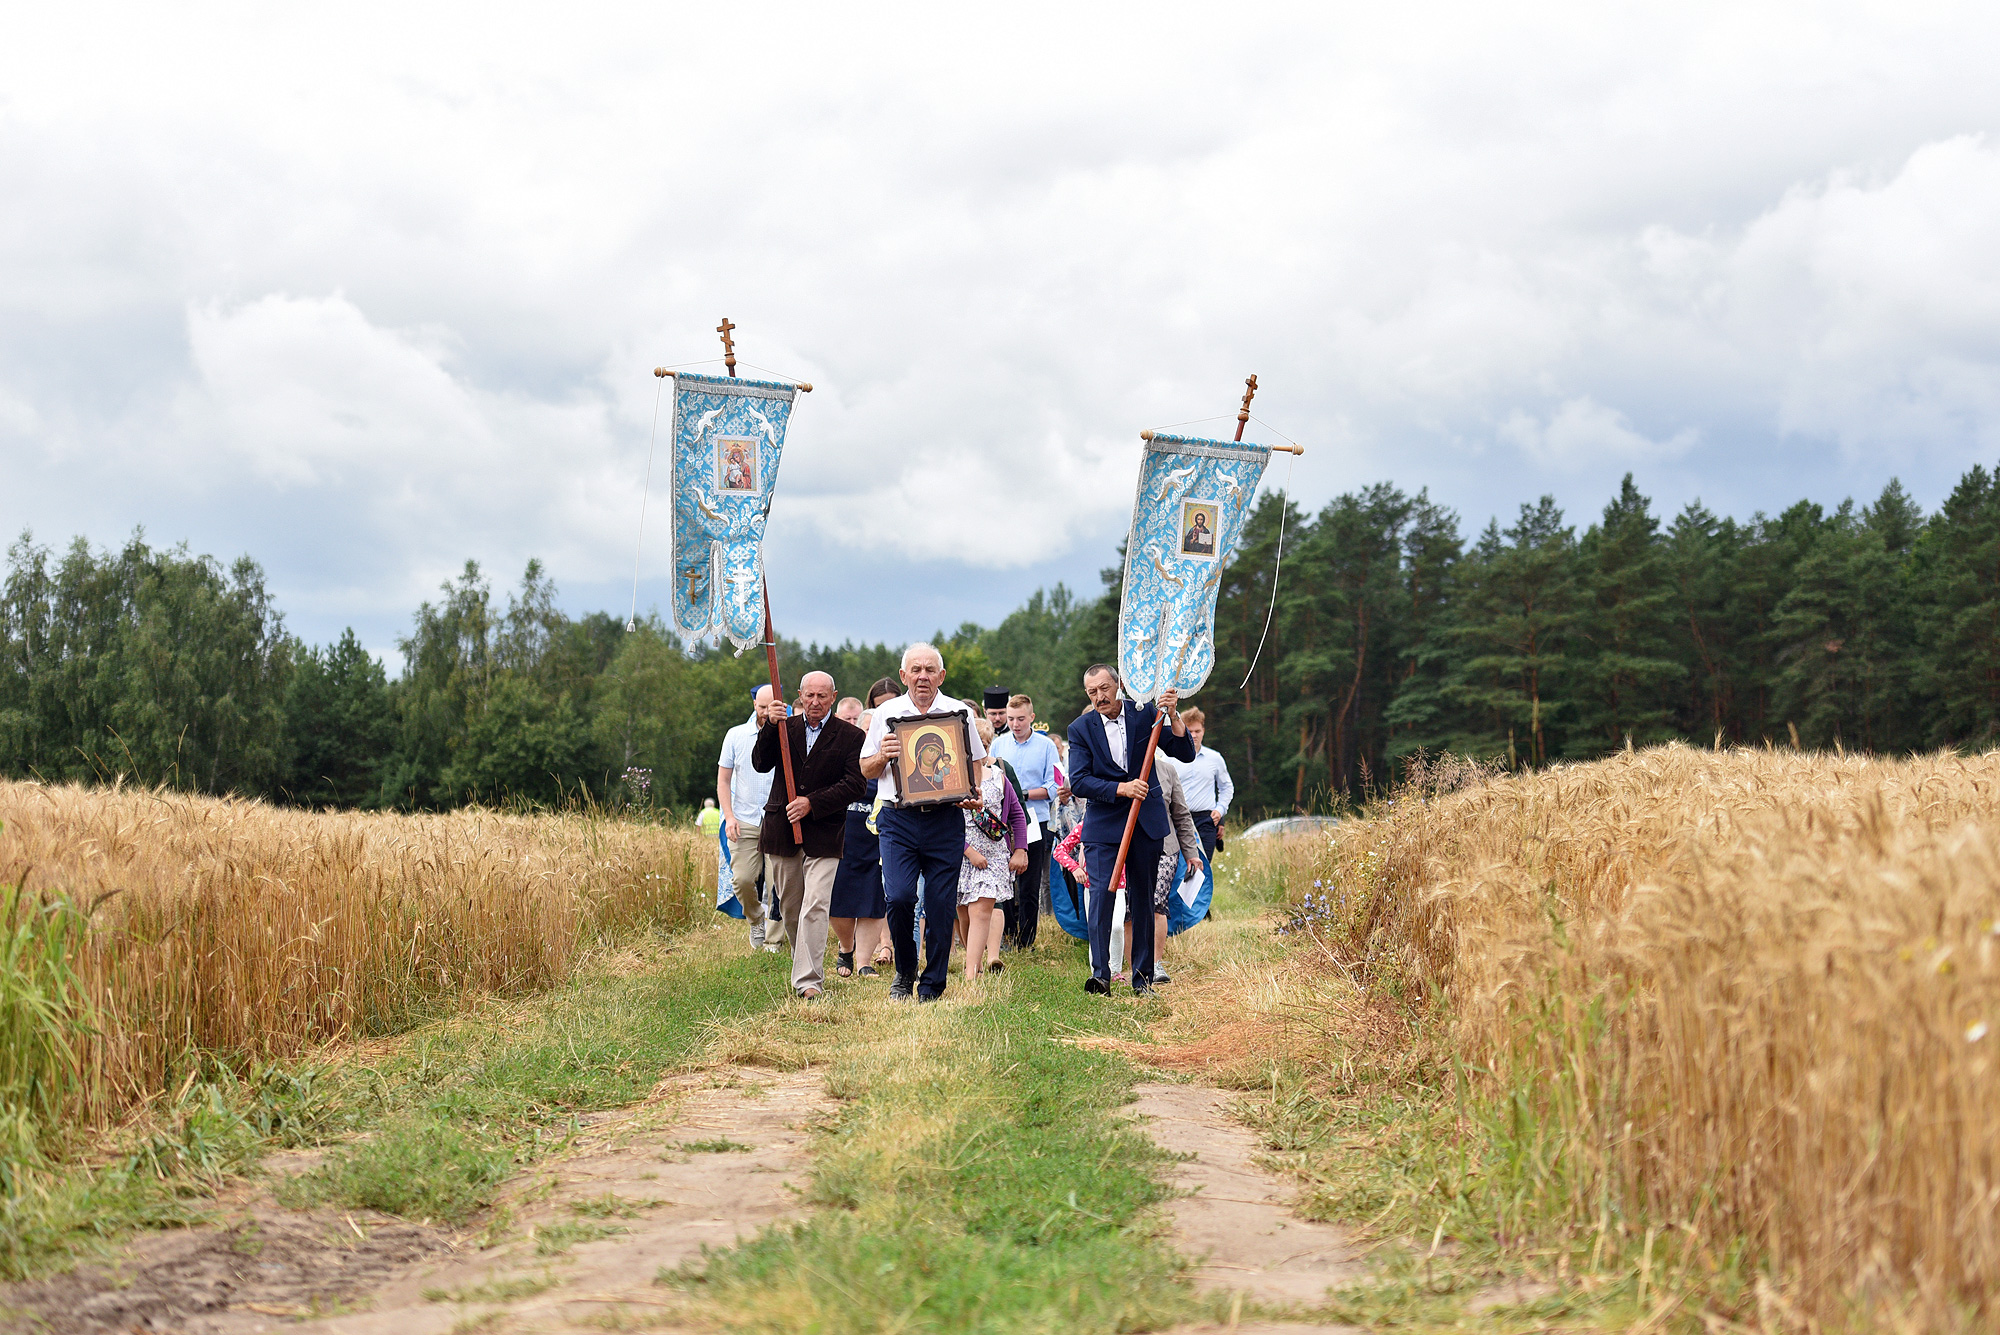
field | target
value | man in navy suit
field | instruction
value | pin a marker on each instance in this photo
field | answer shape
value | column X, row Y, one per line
column 1107, row 747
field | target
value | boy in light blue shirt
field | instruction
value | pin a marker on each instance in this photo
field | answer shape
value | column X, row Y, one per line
column 1033, row 757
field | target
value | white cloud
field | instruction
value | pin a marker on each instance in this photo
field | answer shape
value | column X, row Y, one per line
column 1582, row 429
column 368, row 292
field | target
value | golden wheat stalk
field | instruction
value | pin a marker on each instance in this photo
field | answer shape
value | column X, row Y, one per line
column 229, row 927
column 1754, row 994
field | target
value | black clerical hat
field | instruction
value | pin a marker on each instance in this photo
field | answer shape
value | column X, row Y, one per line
column 996, row 697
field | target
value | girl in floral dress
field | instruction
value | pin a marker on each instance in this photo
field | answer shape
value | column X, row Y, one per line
column 996, row 840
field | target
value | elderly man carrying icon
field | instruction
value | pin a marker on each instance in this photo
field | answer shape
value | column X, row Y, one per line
column 927, row 842
column 826, row 765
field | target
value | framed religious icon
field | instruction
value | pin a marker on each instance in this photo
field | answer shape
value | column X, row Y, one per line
column 935, row 767
column 1198, row 529
column 736, row 465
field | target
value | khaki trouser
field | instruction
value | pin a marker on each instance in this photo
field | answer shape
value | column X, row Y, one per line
column 746, row 863
column 805, row 893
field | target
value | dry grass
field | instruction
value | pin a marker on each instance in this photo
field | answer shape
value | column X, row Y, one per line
column 1748, row 998
column 236, row 929
column 1243, row 1003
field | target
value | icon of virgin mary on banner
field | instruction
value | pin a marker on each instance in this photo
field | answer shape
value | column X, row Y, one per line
column 1193, row 498
column 728, row 436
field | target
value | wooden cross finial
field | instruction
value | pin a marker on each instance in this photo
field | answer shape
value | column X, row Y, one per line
column 1243, row 416
column 729, row 345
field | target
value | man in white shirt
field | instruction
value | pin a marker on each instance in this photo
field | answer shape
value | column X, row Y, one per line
column 1205, row 779
column 742, row 793
column 927, row 842
column 1034, row 758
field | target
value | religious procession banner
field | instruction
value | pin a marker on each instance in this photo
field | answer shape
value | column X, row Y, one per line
column 728, row 436
column 1193, row 498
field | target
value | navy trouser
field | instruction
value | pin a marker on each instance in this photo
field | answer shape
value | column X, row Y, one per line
column 927, row 842
column 1023, row 913
column 1142, row 868
column 1204, row 825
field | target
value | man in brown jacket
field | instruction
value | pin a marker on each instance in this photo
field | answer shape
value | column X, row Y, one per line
column 826, row 765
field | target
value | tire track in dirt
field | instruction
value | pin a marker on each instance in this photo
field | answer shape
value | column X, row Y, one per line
column 710, row 1159
column 1234, row 1219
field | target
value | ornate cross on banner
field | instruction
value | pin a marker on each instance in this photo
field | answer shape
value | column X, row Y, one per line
column 728, row 344
column 1249, row 393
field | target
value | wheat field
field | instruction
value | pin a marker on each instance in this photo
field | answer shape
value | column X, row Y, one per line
column 1748, row 997
column 145, row 930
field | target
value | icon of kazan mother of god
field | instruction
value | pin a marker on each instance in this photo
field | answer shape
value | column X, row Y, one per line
column 933, row 770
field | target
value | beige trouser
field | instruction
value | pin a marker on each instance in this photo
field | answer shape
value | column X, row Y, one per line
column 805, row 892
column 746, row 863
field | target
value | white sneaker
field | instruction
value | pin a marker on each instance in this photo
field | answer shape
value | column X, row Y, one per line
column 757, row 937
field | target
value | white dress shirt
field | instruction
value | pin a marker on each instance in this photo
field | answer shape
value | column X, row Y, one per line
column 1114, row 735
column 1206, row 779
column 748, row 790
column 900, row 707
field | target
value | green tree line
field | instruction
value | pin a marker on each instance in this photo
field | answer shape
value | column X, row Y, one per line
column 1871, row 627
column 161, row 667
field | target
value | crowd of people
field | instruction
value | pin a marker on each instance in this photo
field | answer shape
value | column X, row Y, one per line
column 900, row 879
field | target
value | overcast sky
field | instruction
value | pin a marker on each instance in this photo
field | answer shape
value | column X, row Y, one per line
column 365, row 291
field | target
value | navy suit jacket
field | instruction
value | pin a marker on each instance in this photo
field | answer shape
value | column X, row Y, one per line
column 1093, row 777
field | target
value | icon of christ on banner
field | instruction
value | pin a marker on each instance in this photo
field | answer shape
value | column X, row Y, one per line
column 1198, row 528
column 736, row 464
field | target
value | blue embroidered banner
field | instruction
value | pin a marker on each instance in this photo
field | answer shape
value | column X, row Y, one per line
column 728, row 435
column 1193, row 498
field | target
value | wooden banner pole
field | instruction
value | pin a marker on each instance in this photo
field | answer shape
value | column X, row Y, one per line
column 1145, row 775
column 1242, row 415
column 770, row 635
column 1160, row 716
column 784, row 724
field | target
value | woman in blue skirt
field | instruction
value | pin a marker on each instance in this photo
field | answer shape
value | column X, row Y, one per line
column 859, row 909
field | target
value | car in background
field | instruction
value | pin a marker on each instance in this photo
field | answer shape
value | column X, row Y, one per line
column 1281, row 825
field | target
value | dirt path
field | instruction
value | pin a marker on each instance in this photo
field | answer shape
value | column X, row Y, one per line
column 1238, row 1223
column 709, row 1159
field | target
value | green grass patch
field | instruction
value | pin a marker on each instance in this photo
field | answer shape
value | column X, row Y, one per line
column 466, row 1102
column 440, row 1122
column 415, row 1167
column 714, row 1147
column 613, row 1206
column 978, row 1179
column 494, row 1291
column 556, row 1239
column 48, row 1217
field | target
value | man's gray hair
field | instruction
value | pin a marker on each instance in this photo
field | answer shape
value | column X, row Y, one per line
column 816, row 673
column 921, row 647
column 1105, row 668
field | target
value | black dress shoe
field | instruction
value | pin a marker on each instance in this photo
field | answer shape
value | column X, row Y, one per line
column 1143, row 990
column 1097, row 987
column 900, row 989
